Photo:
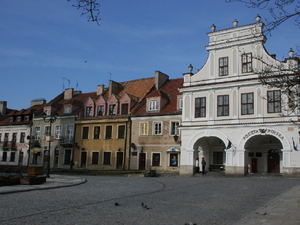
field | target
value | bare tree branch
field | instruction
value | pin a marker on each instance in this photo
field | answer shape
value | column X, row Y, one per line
column 90, row 8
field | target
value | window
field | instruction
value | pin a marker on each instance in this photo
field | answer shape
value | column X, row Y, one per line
column 47, row 111
column 121, row 132
column 96, row 132
column 200, row 107
column 37, row 133
column 223, row 105
column 68, row 110
column 223, row 66
column 95, row 157
column 27, row 118
column 100, row 110
column 14, row 140
column 274, row 101
column 173, row 160
column 85, row 133
column 22, row 137
column 0, row 137
column 88, row 111
column 180, row 104
column 67, row 159
column 58, row 132
column 106, row 158
column 153, row 105
column 174, row 128
column 47, row 131
column 19, row 118
column 5, row 139
column 4, row 156
column 12, row 156
column 11, row 119
column 69, row 134
column 124, row 108
column 247, row 104
column 112, row 110
column 144, row 128
column 157, row 128
column 246, row 62
column 217, row 157
column 108, row 132
column 156, row 159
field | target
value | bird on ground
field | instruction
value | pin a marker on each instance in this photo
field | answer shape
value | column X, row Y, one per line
column 144, row 206
column 117, row 204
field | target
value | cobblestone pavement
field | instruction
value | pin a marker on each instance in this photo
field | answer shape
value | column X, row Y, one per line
column 169, row 200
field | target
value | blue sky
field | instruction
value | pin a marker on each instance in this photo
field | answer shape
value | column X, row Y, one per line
column 46, row 46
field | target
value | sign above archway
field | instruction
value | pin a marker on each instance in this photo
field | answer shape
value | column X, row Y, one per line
column 263, row 132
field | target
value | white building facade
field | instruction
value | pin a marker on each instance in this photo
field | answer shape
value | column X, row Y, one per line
column 229, row 117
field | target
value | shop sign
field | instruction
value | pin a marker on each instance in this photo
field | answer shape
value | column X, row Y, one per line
column 263, row 131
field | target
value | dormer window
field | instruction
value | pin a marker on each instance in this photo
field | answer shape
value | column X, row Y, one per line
column 11, row 119
column 100, row 110
column 153, row 105
column 26, row 118
column 68, row 110
column 19, row 118
column 88, row 111
column 48, row 112
column 124, row 108
column 112, row 110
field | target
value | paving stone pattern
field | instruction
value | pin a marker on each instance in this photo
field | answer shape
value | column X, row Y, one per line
column 169, row 200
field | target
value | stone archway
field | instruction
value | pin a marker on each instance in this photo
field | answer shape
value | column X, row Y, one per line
column 263, row 154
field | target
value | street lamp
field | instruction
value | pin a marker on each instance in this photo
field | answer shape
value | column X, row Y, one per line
column 50, row 120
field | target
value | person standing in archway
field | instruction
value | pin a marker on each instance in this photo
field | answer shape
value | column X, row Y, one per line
column 203, row 163
column 197, row 166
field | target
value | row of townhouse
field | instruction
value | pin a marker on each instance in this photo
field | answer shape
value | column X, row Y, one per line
column 221, row 113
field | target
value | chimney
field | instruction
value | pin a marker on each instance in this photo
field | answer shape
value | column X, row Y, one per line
column 100, row 89
column 37, row 102
column 160, row 79
column 68, row 94
column 3, row 105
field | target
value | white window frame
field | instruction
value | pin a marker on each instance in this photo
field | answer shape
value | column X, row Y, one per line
column 153, row 105
column 143, row 130
column 58, row 131
column 70, row 132
column 37, row 131
column 157, row 123
column 176, row 127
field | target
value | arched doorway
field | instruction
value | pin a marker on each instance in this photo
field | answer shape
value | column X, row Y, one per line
column 212, row 149
column 263, row 154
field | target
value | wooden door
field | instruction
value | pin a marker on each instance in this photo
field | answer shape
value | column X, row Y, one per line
column 119, row 160
column 273, row 163
column 83, row 159
column 254, row 165
column 142, row 161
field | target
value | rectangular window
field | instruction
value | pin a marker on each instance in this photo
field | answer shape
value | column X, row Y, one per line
column 180, row 104
column 174, row 128
column 100, row 110
column 95, row 158
column 14, row 140
column 112, row 110
column 0, row 137
column 37, row 134
column 217, row 157
column 106, row 158
column 157, row 128
column 247, row 104
column 174, row 159
column 4, row 156
column 274, row 101
column 58, row 132
column 47, row 111
column 246, row 62
column 144, row 128
column 5, row 141
column 153, row 105
column 88, row 111
column 223, row 66
column 96, row 132
column 85, row 133
column 124, row 108
column 223, row 105
column 47, row 131
column 200, row 107
column 22, row 137
column 108, row 132
column 156, row 159
column 19, row 118
column 67, row 158
column 69, row 134
column 121, row 132
column 12, row 156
